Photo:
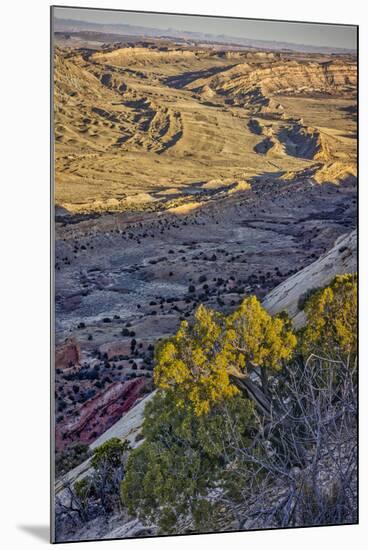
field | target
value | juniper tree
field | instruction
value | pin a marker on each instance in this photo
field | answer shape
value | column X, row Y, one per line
column 201, row 359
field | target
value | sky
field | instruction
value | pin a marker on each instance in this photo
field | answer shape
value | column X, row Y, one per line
column 313, row 34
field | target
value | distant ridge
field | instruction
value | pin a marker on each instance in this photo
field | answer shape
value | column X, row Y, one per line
column 71, row 25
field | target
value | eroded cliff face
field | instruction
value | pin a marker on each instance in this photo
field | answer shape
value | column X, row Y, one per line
column 247, row 84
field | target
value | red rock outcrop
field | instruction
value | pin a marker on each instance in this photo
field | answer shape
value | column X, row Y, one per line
column 67, row 355
column 99, row 413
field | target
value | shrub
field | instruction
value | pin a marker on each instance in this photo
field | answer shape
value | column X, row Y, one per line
column 70, row 458
column 331, row 315
column 163, row 484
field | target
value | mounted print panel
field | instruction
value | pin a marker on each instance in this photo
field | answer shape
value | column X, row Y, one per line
column 204, row 374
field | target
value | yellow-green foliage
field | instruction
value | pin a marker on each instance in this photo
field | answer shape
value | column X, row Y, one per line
column 259, row 339
column 331, row 314
column 194, row 362
column 198, row 360
column 82, row 488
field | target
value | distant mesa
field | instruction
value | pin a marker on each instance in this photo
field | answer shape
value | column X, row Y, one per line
column 123, row 57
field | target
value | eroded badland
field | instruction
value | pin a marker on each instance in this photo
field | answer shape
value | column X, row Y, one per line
column 183, row 175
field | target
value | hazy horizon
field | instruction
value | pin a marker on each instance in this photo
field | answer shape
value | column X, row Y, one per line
column 308, row 34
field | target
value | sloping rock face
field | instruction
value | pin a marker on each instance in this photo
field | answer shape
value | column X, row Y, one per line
column 295, row 140
column 67, row 355
column 97, row 415
column 138, row 122
column 342, row 258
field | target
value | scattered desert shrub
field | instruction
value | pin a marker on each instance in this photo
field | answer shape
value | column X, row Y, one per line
column 98, row 492
column 70, row 458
